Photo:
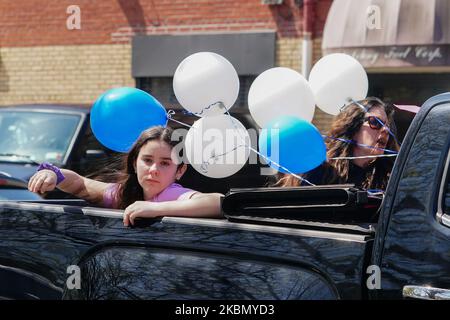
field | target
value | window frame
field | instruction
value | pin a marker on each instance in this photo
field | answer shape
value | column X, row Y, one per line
column 441, row 215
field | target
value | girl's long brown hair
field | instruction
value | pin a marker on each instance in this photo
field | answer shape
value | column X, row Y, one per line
column 345, row 126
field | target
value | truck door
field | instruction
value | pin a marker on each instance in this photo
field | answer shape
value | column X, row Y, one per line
column 412, row 247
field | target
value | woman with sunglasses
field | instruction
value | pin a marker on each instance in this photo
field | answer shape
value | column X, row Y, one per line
column 361, row 131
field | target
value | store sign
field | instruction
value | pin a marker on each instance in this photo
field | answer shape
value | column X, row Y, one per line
column 401, row 56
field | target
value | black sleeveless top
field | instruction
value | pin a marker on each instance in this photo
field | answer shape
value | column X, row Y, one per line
column 323, row 175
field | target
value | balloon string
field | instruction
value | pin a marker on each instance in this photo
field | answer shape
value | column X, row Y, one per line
column 170, row 114
column 363, row 157
column 199, row 114
column 263, row 156
column 205, row 164
column 360, row 144
column 389, row 130
column 351, row 101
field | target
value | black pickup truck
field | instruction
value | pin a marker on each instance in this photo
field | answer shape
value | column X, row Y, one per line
column 328, row 242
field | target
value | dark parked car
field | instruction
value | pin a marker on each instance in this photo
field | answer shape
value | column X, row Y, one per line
column 59, row 134
column 327, row 242
column 15, row 189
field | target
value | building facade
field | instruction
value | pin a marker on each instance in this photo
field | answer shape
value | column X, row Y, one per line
column 66, row 51
column 404, row 45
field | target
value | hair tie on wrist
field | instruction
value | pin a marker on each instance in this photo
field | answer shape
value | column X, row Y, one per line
column 48, row 166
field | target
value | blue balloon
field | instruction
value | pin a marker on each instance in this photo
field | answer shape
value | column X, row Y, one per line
column 120, row 115
column 293, row 143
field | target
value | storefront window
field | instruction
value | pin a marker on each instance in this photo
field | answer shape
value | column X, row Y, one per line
column 408, row 88
column 161, row 88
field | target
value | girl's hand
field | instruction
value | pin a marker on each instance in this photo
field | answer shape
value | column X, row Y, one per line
column 42, row 181
column 143, row 209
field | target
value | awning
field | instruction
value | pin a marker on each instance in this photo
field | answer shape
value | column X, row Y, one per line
column 390, row 33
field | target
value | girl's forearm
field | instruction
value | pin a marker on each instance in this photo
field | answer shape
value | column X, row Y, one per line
column 72, row 183
column 81, row 187
column 204, row 206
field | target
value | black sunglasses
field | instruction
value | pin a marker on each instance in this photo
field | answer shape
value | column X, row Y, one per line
column 375, row 123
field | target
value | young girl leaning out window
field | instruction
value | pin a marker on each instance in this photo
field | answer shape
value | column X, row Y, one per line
column 145, row 188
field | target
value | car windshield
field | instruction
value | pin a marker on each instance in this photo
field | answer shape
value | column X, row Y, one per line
column 36, row 136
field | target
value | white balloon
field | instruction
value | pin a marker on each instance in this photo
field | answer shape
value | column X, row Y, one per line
column 215, row 148
column 204, row 81
column 335, row 79
column 280, row 91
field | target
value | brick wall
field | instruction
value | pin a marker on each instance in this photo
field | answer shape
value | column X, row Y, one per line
column 62, row 74
column 41, row 23
column 42, row 61
column 288, row 53
column 321, row 119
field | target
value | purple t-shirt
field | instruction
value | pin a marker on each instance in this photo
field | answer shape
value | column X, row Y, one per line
column 173, row 192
